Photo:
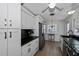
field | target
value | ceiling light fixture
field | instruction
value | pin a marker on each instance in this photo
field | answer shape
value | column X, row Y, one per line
column 52, row 5
column 71, row 12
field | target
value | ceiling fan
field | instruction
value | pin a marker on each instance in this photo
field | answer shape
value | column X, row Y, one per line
column 51, row 7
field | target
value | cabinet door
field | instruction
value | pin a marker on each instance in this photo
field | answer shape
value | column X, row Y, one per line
column 3, row 15
column 27, row 49
column 27, row 20
column 14, row 15
column 0, row 44
column 35, row 46
column 14, row 42
column 3, row 42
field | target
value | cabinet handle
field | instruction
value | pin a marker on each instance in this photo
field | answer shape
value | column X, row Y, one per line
column 5, row 35
column 10, row 24
column 5, row 24
column 29, row 50
column 5, row 19
column 10, row 34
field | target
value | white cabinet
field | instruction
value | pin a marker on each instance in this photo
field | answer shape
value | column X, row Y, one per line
column 0, row 44
column 35, row 46
column 36, row 26
column 14, row 42
column 30, row 48
column 10, row 29
column 35, row 23
column 27, row 20
column 14, row 15
column 3, row 15
column 10, row 15
column 3, row 42
column 26, row 49
column 10, row 42
column 75, row 19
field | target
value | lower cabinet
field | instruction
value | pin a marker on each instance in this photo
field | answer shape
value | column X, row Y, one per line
column 14, row 42
column 3, row 42
column 35, row 46
column 30, row 48
column 26, row 49
column 10, row 42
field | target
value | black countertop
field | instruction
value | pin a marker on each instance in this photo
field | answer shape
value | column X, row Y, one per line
column 76, row 37
column 27, row 40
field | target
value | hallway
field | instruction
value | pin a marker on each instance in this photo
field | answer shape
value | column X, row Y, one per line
column 50, row 49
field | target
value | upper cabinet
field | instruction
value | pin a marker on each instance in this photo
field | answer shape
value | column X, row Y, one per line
column 35, row 23
column 3, row 15
column 27, row 19
column 75, row 20
column 10, row 15
column 14, row 15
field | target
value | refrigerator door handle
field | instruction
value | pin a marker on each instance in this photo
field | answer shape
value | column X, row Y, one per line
column 10, row 34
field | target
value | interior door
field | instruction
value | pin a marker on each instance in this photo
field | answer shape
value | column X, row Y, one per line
column 14, row 42
column 14, row 15
column 3, row 42
column 3, row 15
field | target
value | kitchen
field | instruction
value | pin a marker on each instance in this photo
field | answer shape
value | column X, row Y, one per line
column 39, row 29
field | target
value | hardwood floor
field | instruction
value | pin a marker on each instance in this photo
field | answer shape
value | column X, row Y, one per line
column 50, row 49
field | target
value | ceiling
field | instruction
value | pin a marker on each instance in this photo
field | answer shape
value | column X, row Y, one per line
column 37, row 8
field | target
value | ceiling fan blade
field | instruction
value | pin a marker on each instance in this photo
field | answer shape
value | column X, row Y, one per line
column 59, row 8
column 45, row 10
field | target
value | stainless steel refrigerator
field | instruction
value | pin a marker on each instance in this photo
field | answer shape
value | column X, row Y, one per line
column 41, row 36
